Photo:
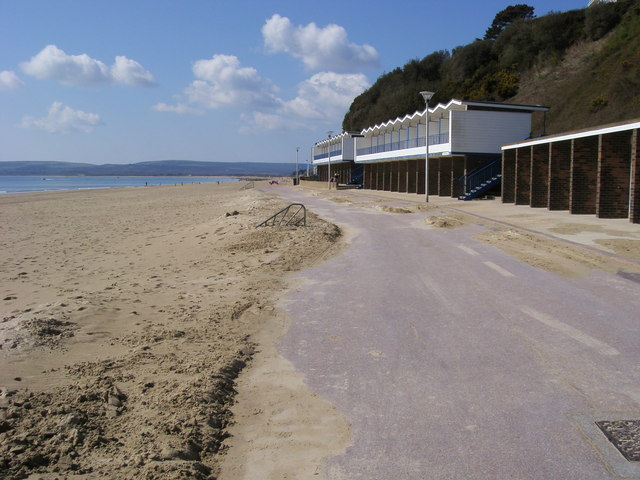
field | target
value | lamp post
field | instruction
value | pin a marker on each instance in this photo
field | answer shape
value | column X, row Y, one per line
column 297, row 171
column 329, row 133
column 427, row 96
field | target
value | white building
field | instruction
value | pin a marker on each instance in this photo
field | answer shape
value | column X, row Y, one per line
column 463, row 136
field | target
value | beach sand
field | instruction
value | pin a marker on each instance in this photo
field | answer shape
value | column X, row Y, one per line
column 126, row 317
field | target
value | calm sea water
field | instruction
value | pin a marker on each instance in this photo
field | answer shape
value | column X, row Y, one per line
column 24, row 184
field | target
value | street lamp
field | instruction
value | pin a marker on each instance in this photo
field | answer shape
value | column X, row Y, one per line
column 329, row 133
column 427, row 96
column 297, row 171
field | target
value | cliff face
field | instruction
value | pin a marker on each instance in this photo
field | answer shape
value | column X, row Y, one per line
column 584, row 64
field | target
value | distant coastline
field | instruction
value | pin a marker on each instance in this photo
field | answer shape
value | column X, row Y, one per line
column 164, row 168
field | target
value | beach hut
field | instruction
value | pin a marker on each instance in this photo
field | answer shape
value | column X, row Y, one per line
column 593, row 171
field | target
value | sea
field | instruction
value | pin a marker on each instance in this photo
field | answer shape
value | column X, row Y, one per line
column 28, row 184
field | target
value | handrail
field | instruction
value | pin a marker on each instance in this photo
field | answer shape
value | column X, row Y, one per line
column 292, row 220
column 477, row 169
column 480, row 174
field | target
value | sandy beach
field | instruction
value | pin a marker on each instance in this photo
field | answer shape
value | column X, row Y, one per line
column 129, row 316
column 126, row 316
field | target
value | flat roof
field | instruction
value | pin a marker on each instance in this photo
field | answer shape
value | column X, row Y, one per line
column 585, row 132
column 508, row 106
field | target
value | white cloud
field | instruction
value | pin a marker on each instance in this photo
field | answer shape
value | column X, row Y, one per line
column 326, row 95
column 325, row 48
column 129, row 72
column 52, row 63
column 222, row 81
column 179, row 108
column 10, row 81
column 323, row 98
column 269, row 121
column 63, row 119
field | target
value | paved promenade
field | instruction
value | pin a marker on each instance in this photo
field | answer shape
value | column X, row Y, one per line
column 454, row 360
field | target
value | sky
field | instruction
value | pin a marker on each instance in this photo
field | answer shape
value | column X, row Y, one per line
column 125, row 81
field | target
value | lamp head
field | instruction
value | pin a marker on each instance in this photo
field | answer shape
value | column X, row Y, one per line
column 427, row 96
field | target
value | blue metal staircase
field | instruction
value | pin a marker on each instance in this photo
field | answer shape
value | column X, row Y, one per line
column 357, row 174
column 481, row 179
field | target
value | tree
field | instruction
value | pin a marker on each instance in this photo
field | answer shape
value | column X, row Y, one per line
column 506, row 17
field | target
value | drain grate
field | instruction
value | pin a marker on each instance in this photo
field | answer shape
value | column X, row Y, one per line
column 625, row 436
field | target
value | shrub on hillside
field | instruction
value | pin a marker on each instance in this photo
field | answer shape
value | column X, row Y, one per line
column 601, row 18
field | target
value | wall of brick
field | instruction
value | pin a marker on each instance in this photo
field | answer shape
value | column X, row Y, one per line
column 385, row 174
column 559, row 175
column 509, row 176
column 322, row 173
column 434, row 176
column 420, row 164
column 343, row 172
column 412, row 176
column 434, row 167
column 373, row 178
column 584, row 175
column 523, row 176
column 445, row 176
column 395, row 176
column 634, row 190
column 614, row 175
column 402, row 176
column 539, row 176
column 457, row 170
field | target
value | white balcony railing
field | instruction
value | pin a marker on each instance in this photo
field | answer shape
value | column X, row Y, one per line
column 437, row 139
column 334, row 153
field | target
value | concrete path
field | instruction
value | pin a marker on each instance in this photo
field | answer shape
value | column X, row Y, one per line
column 453, row 360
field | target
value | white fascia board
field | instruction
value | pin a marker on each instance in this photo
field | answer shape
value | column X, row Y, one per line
column 324, row 161
column 571, row 136
column 405, row 155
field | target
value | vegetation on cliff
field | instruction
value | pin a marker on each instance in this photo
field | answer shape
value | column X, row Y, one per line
column 584, row 64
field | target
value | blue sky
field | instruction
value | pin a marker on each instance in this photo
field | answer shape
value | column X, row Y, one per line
column 123, row 81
